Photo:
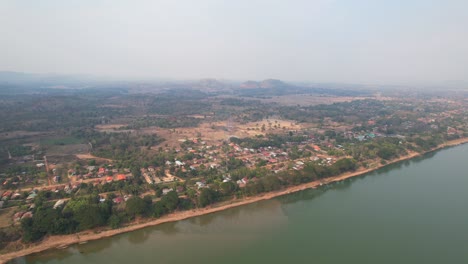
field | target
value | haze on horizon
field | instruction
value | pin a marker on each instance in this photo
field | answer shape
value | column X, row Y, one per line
column 361, row 41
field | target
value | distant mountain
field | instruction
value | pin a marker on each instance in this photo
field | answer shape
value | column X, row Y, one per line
column 211, row 85
column 250, row 85
column 274, row 87
column 273, row 83
column 44, row 80
column 16, row 77
column 11, row 81
column 268, row 83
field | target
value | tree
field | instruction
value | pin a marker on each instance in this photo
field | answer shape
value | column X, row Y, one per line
column 228, row 188
column 135, row 206
column 386, row 152
column 115, row 221
column 159, row 209
column 270, row 183
column 31, row 234
column 89, row 216
column 170, row 201
column 346, row 164
column 207, row 196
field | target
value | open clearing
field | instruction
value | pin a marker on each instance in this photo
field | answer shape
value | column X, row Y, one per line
column 213, row 132
column 6, row 216
column 89, row 156
column 310, row 99
column 109, row 127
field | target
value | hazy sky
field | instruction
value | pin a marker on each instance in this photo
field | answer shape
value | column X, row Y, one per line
column 361, row 41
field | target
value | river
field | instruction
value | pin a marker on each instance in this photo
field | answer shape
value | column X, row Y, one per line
column 411, row 212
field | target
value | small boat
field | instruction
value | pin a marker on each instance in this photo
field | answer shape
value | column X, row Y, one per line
column 83, row 242
column 62, row 247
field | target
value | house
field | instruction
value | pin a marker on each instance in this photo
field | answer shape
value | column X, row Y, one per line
column 121, row 177
column 314, row 158
column 71, row 173
column 242, row 182
column 6, row 195
column 1, row 204
column 31, row 196
column 102, row 170
column 360, row 137
column 179, row 163
column 118, row 200
column 109, row 178
column 147, row 178
column 16, row 195
column 200, row 185
column 58, row 203
column 226, row 178
column 166, row 191
column 27, row 215
column 17, row 216
column 451, row 131
column 67, row 189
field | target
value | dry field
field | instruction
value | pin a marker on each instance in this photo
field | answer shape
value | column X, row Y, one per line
column 271, row 126
column 6, row 216
column 111, row 128
column 214, row 132
column 310, row 99
column 89, row 156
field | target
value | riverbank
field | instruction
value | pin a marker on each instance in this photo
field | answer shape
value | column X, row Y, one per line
column 62, row 241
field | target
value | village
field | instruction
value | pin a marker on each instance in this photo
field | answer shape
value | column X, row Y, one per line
column 187, row 171
column 130, row 167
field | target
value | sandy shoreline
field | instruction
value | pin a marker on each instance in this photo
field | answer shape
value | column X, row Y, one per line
column 65, row 240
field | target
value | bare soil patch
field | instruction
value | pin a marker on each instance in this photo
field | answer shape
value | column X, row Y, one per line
column 310, row 99
column 6, row 216
column 90, row 156
column 109, row 126
column 214, row 132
